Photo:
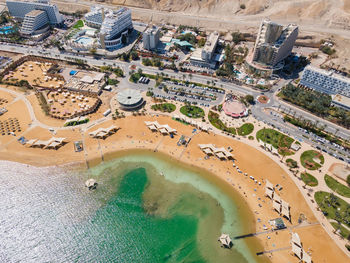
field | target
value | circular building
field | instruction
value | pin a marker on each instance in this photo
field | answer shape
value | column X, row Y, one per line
column 235, row 109
column 130, row 99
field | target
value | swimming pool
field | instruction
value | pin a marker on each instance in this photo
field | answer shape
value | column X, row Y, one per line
column 6, row 30
column 84, row 40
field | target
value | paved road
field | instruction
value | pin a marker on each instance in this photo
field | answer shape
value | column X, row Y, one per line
column 258, row 110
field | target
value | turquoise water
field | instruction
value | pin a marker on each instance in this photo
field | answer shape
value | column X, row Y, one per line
column 145, row 209
column 6, row 30
column 84, row 40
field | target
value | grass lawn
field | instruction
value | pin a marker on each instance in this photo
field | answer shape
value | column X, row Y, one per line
column 277, row 140
column 79, row 24
column 192, row 111
column 344, row 232
column 164, row 107
column 245, row 129
column 312, row 159
column 308, row 179
column 336, row 186
column 217, row 123
column 333, row 207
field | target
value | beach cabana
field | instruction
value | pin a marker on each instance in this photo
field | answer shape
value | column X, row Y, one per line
column 285, row 211
column 296, row 239
column 306, row 257
column 220, row 155
column 269, row 193
column 53, row 145
column 102, row 133
column 277, row 198
column 225, row 241
column 31, row 142
column 207, row 151
column 297, row 251
column 163, row 131
column 276, row 206
column 269, row 185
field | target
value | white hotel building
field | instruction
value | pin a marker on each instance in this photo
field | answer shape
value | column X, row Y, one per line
column 19, row 9
column 113, row 25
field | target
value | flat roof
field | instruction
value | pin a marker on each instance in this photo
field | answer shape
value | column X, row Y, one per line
column 211, row 42
column 129, row 97
column 328, row 73
column 35, row 12
column 340, row 99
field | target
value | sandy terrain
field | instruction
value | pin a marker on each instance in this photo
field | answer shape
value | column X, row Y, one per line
column 35, row 74
column 340, row 170
column 135, row 135
column 65, row 104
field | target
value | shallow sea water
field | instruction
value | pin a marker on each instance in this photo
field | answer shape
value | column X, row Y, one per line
column 145, row 209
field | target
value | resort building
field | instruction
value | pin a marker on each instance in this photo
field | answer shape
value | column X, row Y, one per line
column 19, row 9
column 204, row 57
column 34, row 21
column 113, row 25
column 95, row 17
column 86, row 81
column 325, row 81
column 273, row 44
column 150, row 38
column 130, row 99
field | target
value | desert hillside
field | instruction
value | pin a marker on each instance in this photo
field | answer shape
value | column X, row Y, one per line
column 331, row 12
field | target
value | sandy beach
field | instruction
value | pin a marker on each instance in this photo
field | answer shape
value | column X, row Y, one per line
column 134, row 135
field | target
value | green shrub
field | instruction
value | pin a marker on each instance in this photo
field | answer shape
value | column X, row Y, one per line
column 276, row 139
column 192, row 111
column 307, row 159
column 309, row 180
column 164, row 107
column 217, row 123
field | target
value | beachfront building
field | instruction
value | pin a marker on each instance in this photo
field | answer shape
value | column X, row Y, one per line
column 35, row 22
column 150, row 38
column 113, row 25
column 325, row 81
column 20, row 8
column 273, row 44
column 203, row 57
column 130, row 99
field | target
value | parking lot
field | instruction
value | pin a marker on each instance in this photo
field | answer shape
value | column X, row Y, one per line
column 199, row 95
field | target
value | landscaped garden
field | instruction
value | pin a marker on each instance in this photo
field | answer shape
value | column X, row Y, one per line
column 336, row 186
column 333, row 207
column 192, row 111
column 308, row 179
column 164, row 107
column 217, row 123
column 312, row 160
column 79, row 24
column 277, row 140
column 245, row 129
